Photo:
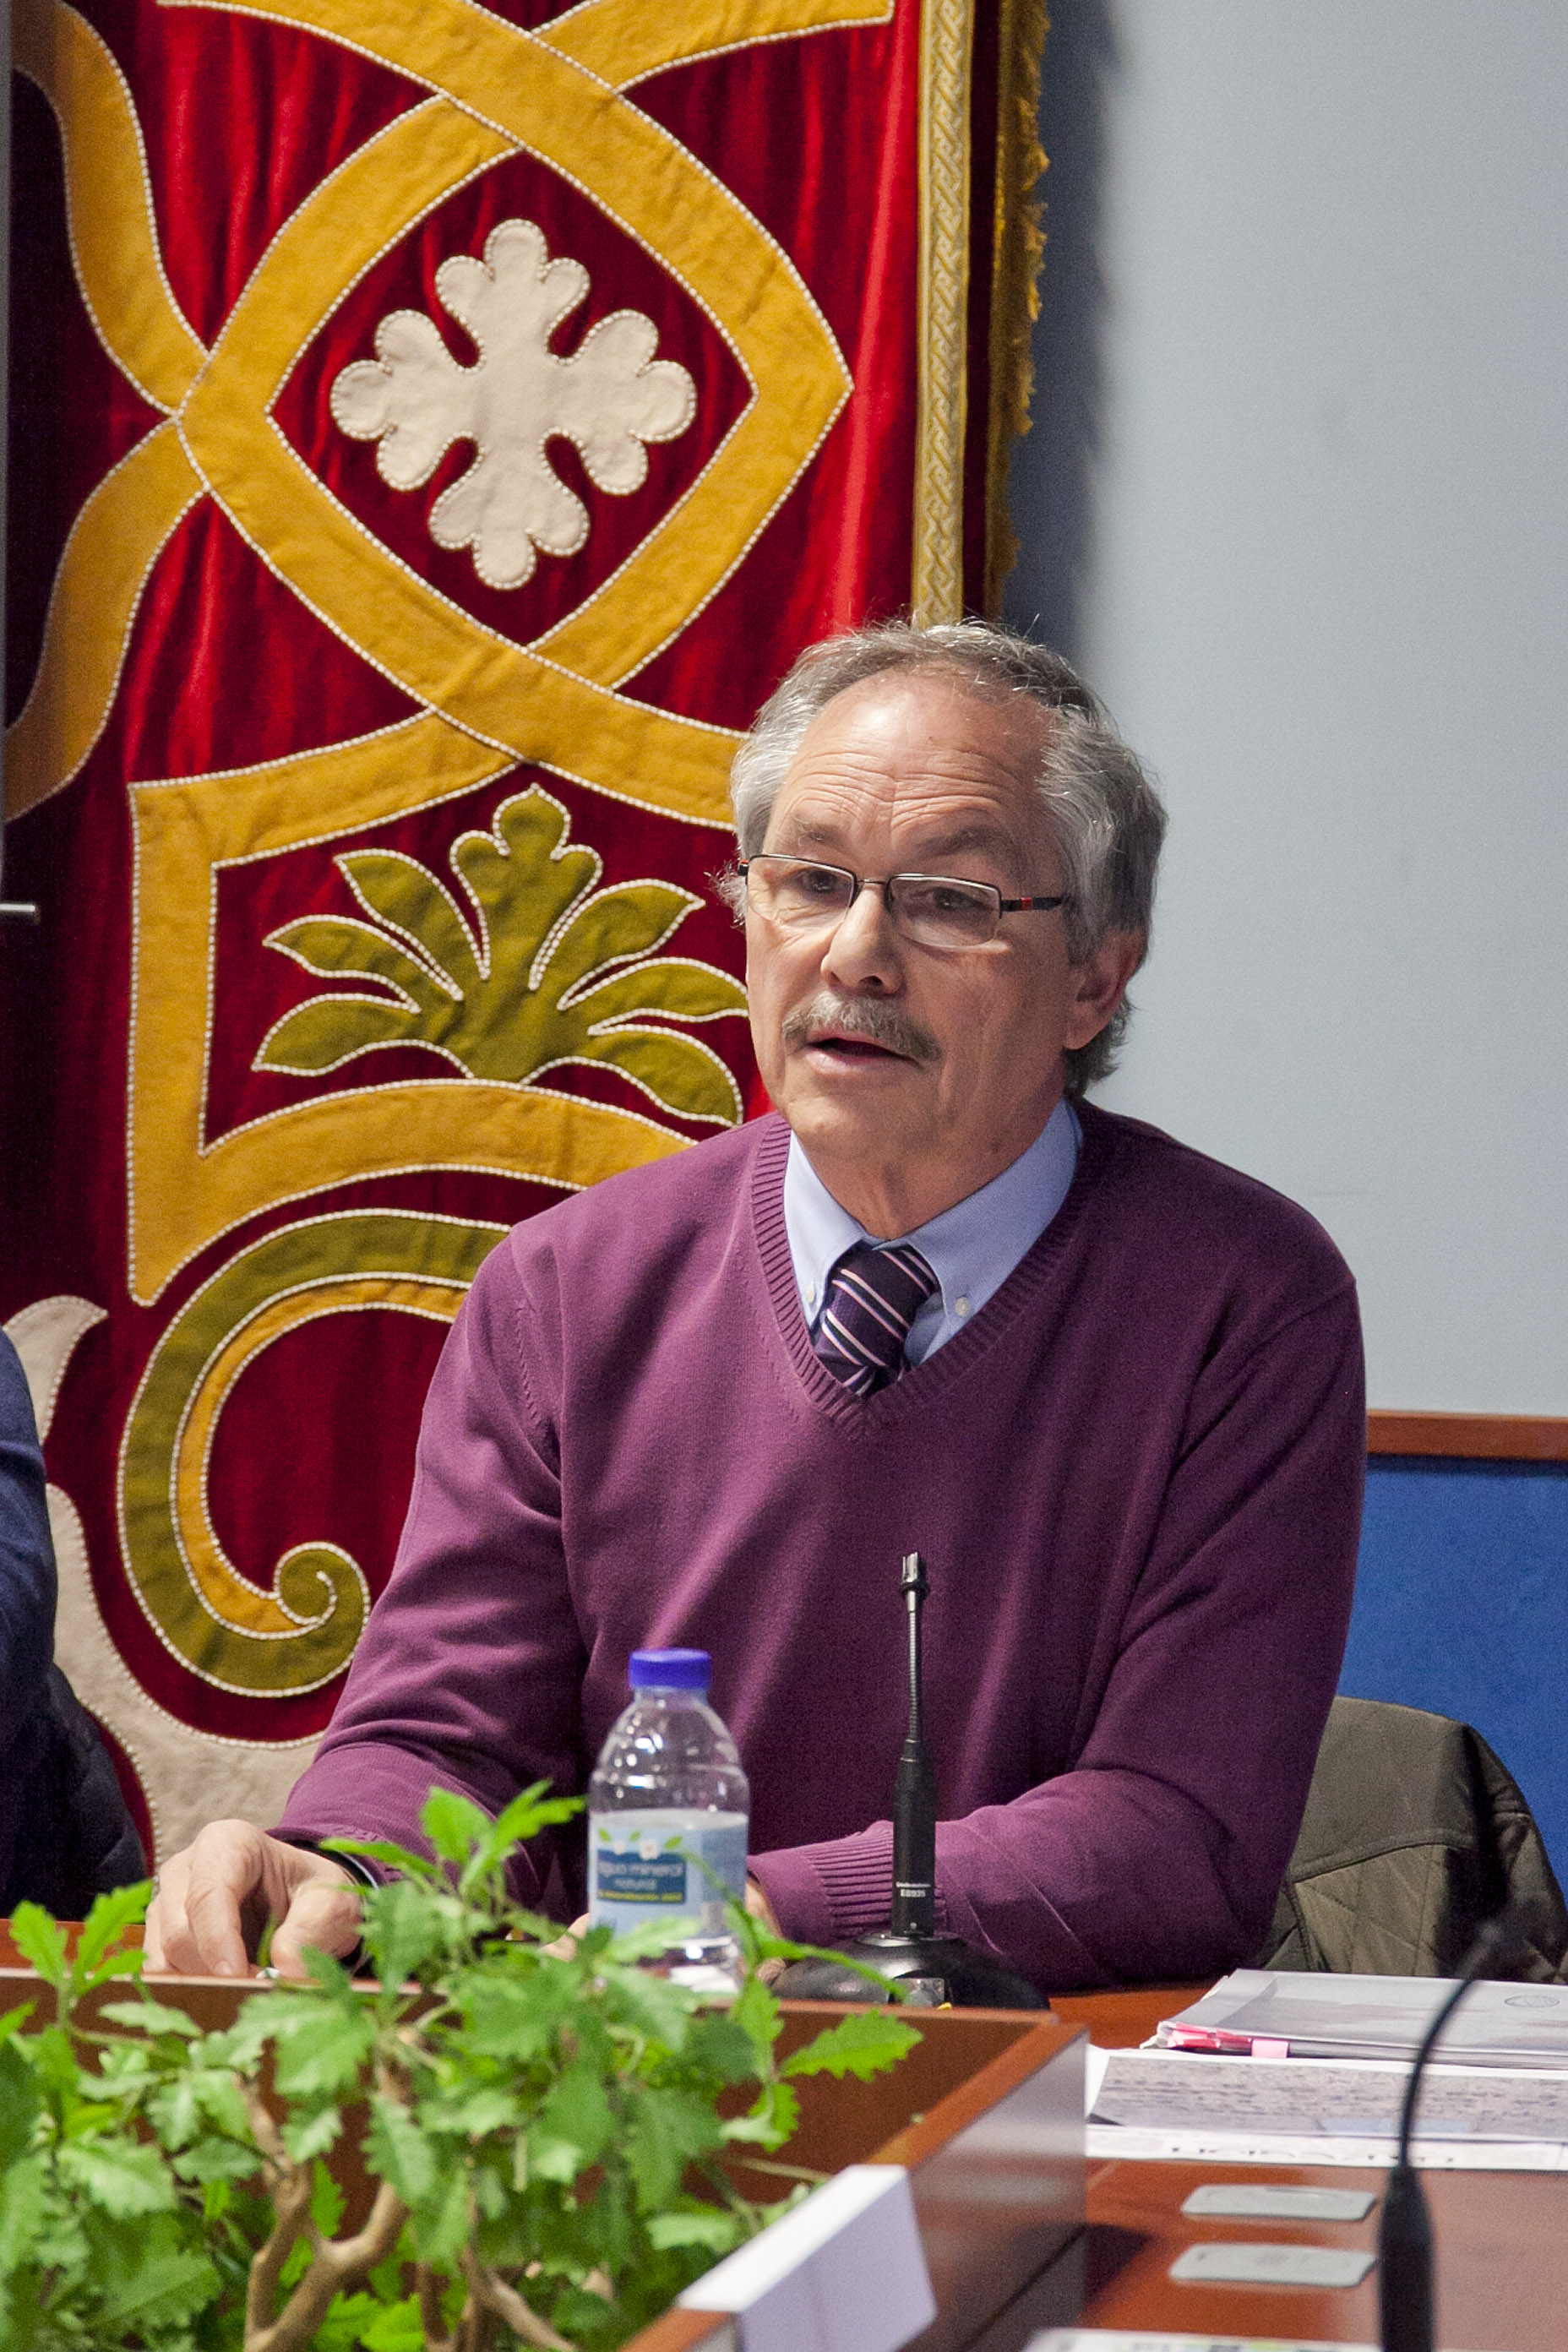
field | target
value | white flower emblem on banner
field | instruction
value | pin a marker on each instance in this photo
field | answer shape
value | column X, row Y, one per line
column 610, row 397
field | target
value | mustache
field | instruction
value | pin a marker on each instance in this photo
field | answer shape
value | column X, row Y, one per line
column 871, row 1017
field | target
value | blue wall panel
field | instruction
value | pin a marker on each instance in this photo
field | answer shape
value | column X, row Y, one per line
column 1462, row 1607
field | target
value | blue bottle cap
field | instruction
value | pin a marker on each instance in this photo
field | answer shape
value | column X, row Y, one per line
column 690, row 1670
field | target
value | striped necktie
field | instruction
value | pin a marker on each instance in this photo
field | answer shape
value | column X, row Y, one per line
column 873, row 1297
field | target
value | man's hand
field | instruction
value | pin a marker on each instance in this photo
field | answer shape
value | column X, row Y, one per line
column 215, row 1899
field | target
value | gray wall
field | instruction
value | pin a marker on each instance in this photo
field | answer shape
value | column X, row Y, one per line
column 1296, row 500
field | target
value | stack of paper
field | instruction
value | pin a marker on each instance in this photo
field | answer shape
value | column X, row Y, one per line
column 1301, row 2016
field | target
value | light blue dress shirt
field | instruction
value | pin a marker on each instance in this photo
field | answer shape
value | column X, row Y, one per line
column 970, row 1248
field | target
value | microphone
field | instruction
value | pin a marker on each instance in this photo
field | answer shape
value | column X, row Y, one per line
column 915, row 1786
column 933, row 1969
column 1405, row 2227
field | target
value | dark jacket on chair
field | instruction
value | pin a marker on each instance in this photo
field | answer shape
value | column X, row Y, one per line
column 65, row 1832
column 1414, row 1833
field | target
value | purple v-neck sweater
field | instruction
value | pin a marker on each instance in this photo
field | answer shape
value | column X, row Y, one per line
column 1135, row 1477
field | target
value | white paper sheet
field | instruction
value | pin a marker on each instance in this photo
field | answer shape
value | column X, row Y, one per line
column 1162, row 2090
column 1198, row 2109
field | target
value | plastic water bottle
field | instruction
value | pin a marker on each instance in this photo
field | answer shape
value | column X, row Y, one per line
column 668, row 1809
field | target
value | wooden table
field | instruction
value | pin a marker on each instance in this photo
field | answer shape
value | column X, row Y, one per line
column 1502, row 2237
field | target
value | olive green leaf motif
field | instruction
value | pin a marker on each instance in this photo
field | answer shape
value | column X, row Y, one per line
column 543, row 969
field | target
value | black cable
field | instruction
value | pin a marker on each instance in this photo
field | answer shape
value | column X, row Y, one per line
column 1404, row 2226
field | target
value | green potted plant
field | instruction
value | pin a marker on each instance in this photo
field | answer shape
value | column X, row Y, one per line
column 502, row 2141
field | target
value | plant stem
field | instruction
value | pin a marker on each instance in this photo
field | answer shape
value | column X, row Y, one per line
column 336, row 2265
column 431, row 2316
column 490, row 2290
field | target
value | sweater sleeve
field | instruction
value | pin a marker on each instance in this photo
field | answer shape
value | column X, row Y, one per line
column 1158, row 1853
column 469, row 1673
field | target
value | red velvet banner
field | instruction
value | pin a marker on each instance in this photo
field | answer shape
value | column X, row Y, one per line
column 433, row 430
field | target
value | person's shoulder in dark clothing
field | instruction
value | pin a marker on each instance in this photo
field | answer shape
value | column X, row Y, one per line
column 66, row 1833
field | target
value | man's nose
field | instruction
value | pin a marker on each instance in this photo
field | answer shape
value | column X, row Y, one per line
column 863, row 949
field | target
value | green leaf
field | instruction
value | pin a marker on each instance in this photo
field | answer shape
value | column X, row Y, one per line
column 322, row 2053
column 665, row 2131
column 418, row 1866
column 219, row 2096
column 327, row 1970
column 107, row 1921
column 120, row 2176
column 41, row 1944
column 356, row 2320
column 526, row 1816
column 160, row 2292
column 397, row 2150
column 756, row 2011
column 150, row 2016
column 651, row 2005
column 491, row 2109
column 175, row 2113
column 578, row 2113
column 326, row 2201
column 770, row 2119
column 548, row 2159
column 214, row 2164
column 439, row 2235
column 866, row 2043
column 682, row 1075
column 312, row 2135
column 717, row 2230
column 453, row 1824
column 22, row 2320
column 516, row 2016
column 23, row 2191
column 402, row 1930
column 54, row 2061
column 720, row 2047
column 19, row 2104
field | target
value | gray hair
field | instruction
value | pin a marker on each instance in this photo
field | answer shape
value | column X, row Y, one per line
column 1107, row 818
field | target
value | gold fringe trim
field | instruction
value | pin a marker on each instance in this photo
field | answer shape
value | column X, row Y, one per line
column 1019, row 250
column 947, row 39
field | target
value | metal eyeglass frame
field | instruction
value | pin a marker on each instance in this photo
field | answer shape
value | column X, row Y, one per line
column 863, row 882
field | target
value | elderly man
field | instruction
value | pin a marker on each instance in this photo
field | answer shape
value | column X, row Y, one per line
column 1111, row 1391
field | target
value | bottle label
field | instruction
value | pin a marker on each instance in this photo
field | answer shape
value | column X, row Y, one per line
column 651, row 1867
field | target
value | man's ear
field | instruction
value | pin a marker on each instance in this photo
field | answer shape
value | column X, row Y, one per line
column 1099, row 983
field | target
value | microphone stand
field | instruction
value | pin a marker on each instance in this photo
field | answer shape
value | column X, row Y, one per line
column 1405, row 2228
column 932, row 1971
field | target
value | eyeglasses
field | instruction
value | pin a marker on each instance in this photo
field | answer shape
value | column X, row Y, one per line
column 933, row 910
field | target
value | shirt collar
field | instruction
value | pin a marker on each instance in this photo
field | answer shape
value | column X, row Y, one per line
column 972, row 1248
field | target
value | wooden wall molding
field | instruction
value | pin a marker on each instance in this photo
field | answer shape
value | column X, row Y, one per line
column 1468, row 1437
